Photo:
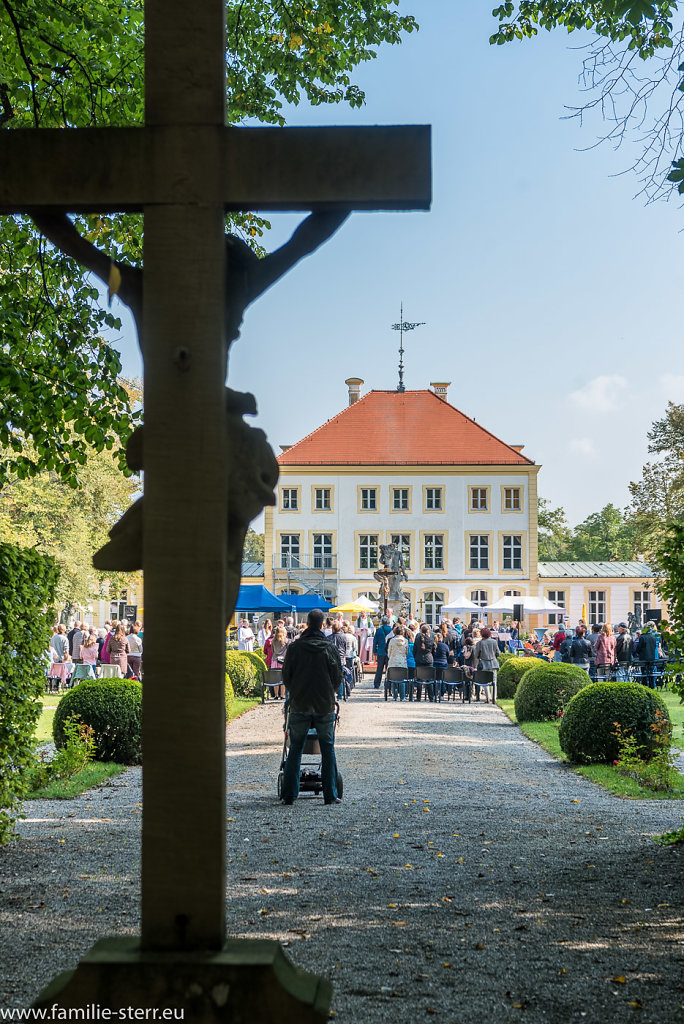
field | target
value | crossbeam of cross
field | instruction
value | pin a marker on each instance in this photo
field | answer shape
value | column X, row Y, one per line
column 184, row 169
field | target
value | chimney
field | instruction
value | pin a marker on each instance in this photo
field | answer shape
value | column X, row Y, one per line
column 441, row 388
column 354, row 385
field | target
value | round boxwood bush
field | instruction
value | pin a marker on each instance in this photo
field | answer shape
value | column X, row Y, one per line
column 258, row 664
column 113, row 709
column 230, row 697
column 243, row 674
column 588, row 724
column 546, row 689
column 511, row 672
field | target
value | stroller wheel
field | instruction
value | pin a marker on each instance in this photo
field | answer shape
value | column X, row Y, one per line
column 280, row 784
column 339, row 781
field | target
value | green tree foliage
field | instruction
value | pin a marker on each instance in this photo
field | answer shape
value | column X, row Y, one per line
column 554, row 533
column 27, row 589
column 603, row 536
column 633, row 56
column 69, row 63
column 44, row 513
column 254, row 547
column 658, row 497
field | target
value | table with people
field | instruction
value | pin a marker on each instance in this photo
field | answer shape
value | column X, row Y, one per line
column 85, row 652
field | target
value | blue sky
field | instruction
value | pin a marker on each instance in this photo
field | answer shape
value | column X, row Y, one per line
column 551, row 296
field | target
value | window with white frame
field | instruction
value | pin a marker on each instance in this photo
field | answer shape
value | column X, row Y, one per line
column 289, row 550
column 322, row 502
column 598, row 607
column 433, row 499
column 641, row 604
column 290, row 499
column 400, row 499
column 432, row 607
column 558, row 597
column 512, row 552
column 433, row 551
column 322, row 551
column 478, row 499
column 479, row 551
column 369, row 499
column 512, row 502
column 403, row 542
column 479, row 597
column 368, row 551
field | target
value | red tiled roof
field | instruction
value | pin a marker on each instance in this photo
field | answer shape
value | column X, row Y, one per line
column 401, row 428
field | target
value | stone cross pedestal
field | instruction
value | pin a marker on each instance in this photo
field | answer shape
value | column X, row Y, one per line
column 184, row 169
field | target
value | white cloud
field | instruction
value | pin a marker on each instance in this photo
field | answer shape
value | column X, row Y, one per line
column 673, row 386
column 583, row 446
column 602, row 394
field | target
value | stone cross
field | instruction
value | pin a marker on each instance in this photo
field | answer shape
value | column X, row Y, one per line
column 184, row 169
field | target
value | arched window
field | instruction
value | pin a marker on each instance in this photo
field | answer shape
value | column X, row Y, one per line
column 479, row 597
column 433, row 602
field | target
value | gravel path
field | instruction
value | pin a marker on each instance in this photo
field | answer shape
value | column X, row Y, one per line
column 466, row 876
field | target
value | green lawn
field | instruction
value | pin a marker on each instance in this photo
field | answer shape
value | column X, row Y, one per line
column 546, row 735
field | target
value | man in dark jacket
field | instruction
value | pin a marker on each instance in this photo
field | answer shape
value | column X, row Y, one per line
column 646, row 653
column 580, row 649
column 380, row 641
column 623, row 652
column 312, row 673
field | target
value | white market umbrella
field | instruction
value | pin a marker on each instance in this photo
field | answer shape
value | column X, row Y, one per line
column 461, row 604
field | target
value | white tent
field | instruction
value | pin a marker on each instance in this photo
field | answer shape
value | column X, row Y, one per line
column 531, row 605
column 461, row 604
column 504, row 604
column 363, row 602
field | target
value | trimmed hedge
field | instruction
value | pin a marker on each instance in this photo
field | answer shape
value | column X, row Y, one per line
column 546, row 689
column 243, row 674
column 113, row 709
column 511, row 672
column 258, row 663
column 230, row 697
column 588, row 724
column 27, row 588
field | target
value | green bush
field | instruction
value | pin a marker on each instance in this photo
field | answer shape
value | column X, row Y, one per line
column 230, row 698
column 587, row 730
column 27, row 589
column 546, row 689
column 113, row 710
column 243, row 674
column 511, row 672
column 258, row 663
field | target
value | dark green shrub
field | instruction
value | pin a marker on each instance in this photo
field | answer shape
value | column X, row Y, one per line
column 511, row 672
column 588, row 724
column 258, row 663
column 546, row 689
column 243, row 674
column 27, row 589
column 230, row 698
column 113, row 710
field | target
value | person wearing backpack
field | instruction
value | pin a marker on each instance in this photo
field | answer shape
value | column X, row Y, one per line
column 580, row 649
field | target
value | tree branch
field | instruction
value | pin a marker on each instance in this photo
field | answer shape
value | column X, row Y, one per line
column 60, row 230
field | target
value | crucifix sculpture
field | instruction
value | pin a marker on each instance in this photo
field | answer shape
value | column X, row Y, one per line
column 184, row 169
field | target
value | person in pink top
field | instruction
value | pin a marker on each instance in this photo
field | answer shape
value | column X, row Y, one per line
column 89, row 649
column 605, row 651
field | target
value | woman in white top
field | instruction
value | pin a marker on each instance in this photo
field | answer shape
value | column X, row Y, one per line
column 397, row 651
column 264, row 633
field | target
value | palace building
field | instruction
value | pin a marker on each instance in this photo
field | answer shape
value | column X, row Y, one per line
column 407, row 466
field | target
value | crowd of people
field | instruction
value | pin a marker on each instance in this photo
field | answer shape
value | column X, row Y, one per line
column 118, row 644
column 603, row 653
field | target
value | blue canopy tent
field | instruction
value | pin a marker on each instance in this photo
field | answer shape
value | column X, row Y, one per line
column 256, row 598
column 303, row 603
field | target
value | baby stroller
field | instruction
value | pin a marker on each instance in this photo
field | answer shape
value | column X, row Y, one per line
column 310, row 774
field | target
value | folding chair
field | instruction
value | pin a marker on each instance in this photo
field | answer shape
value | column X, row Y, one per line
column 272, row 678
column 425, row 674
column 485, row 679
column 396, row 675
column 455, row 679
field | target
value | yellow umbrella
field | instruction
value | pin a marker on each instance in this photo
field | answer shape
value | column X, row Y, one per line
column 584, row 612
column 351, row 607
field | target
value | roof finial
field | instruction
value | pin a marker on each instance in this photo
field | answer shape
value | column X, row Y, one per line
column 401, row 327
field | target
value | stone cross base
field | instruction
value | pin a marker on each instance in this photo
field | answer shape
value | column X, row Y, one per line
column 248, row 981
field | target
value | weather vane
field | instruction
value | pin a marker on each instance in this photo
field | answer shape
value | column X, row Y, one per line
column 402, row 326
